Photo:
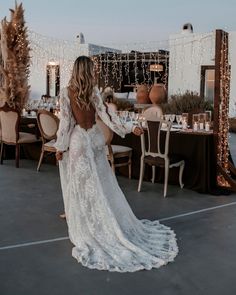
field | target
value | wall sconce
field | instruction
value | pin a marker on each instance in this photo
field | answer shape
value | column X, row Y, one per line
column 53, row 78
column 156, row 68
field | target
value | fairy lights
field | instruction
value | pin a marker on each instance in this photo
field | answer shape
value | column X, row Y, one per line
column 45, row 48
column 223, row 121
column 116, row 70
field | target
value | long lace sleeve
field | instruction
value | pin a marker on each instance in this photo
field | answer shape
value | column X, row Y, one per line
column 66, row 123
column 110, row 118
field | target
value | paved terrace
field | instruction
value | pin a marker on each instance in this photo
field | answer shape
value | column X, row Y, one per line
column 35, row 253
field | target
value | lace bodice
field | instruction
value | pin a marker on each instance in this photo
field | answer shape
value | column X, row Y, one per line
column 67, row 120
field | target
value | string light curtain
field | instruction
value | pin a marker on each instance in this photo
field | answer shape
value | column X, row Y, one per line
column 221, row 107
column 45, row 49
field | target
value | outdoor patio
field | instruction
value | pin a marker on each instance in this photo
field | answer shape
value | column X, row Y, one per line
column 30, row 206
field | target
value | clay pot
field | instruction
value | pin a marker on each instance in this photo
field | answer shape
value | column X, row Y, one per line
column 158, row 94
column 142, row 94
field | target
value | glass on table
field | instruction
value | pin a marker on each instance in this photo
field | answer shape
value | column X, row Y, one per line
column 167, row 117
column 132, row 116
column 208, row 116
column 120, row 115
column 141, row 120
column 126, row 115
column 179, row 119
column 172, row 118
column 137, row 118
column 185, row 120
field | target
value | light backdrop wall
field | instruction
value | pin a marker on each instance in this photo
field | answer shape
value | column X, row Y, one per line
column 45, row 49
column 188, row 52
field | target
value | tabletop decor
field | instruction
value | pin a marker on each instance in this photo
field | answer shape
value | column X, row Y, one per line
column 15, row 59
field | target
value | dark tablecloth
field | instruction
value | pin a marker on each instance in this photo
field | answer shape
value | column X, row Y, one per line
column 196, row 149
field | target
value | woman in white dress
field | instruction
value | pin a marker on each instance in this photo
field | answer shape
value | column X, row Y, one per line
column 101, row 225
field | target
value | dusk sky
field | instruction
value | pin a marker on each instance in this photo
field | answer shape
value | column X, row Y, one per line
column 123, row 21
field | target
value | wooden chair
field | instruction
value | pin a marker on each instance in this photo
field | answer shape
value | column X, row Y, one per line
column 120, row 152
column 155, row 155
column 115, row 151
column 48, row 125
column 10, row 135
column 152, row 113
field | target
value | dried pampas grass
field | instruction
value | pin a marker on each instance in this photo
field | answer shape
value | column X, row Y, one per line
column 14, row 59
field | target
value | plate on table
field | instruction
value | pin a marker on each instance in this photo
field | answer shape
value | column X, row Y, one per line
column 171, row 129
column 30, row 116
column 176, row 126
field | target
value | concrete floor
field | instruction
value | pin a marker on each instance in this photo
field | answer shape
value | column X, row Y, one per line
column 30, row 203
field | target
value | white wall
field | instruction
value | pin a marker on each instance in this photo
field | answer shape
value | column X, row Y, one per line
column 188, row 52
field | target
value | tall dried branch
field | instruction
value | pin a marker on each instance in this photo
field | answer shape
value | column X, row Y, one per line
column 15, row 55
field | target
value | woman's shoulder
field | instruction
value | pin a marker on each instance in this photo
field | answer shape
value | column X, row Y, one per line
column 64, row 94
column 64, row 91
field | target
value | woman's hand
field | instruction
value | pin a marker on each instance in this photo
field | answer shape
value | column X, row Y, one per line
column 59, row 155
column 138, row 131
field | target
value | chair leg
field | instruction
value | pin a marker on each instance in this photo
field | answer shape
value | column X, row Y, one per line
column 17, row 155
column 142, row 168
column 153, row 173
column 181, row 170
column 113, row 167
column 1, row 153
column 40, row 159
column 130, row 166
column 166, row 177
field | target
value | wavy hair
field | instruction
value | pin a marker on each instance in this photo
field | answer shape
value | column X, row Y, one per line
column 82, row 81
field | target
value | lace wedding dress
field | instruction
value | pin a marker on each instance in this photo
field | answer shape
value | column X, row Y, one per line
column 101, row 225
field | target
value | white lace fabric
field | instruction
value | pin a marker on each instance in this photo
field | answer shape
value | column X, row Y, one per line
column 101, row 225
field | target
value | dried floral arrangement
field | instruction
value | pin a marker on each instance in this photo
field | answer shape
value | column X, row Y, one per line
column 189, row 102
column 14, row 59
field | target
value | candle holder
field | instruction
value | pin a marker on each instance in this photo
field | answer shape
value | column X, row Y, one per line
column 202, row 120
column 195, row 122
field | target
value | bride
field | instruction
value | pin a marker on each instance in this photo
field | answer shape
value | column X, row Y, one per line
column 101, row 225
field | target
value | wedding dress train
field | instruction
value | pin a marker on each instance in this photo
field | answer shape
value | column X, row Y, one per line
column 101, row 225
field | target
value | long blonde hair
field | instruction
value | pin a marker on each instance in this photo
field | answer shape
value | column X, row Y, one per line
column 82, row 81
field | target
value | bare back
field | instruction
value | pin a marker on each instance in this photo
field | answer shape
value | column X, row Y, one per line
column 85, row 118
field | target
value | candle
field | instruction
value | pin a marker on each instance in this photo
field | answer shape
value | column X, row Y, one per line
column 201, row 126
column 207, row 126
column 195, row 126
column 184, row 124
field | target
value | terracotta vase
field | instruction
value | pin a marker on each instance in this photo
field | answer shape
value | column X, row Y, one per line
column 142, row 94
column 158, row 94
